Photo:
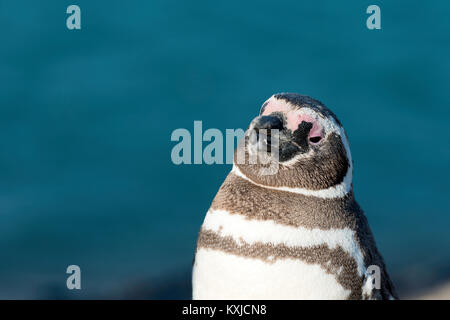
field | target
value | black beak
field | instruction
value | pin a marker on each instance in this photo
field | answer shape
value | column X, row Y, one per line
column 263, row 127
column 268, row 123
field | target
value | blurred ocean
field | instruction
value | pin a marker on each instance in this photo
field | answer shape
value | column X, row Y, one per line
column 86, row 117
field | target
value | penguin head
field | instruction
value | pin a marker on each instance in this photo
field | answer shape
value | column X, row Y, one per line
column 312, row 150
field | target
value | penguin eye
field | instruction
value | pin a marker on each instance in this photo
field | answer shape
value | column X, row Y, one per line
column 315, row 139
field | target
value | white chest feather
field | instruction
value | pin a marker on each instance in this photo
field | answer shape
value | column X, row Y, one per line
column 219, row 274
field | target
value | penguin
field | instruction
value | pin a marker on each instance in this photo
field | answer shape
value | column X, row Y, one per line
column 297, row 233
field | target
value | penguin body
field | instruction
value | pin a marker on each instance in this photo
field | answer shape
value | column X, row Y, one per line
column 296, row 233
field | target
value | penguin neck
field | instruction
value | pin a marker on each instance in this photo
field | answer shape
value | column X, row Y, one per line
column 340, row 190
column 238, row 195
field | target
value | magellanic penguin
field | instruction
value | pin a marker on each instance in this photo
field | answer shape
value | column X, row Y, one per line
column 297, row 233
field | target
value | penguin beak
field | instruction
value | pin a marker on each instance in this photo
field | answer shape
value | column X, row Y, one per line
column 268, row 122
column 269, row 134
column 267, row 130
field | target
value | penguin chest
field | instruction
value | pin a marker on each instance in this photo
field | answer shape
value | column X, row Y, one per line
column 238, row 258
column 219, row 275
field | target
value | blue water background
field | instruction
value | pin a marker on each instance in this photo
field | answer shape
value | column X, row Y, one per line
column 86, row 117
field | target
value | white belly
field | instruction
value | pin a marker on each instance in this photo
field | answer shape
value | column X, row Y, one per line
column 220, row 275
